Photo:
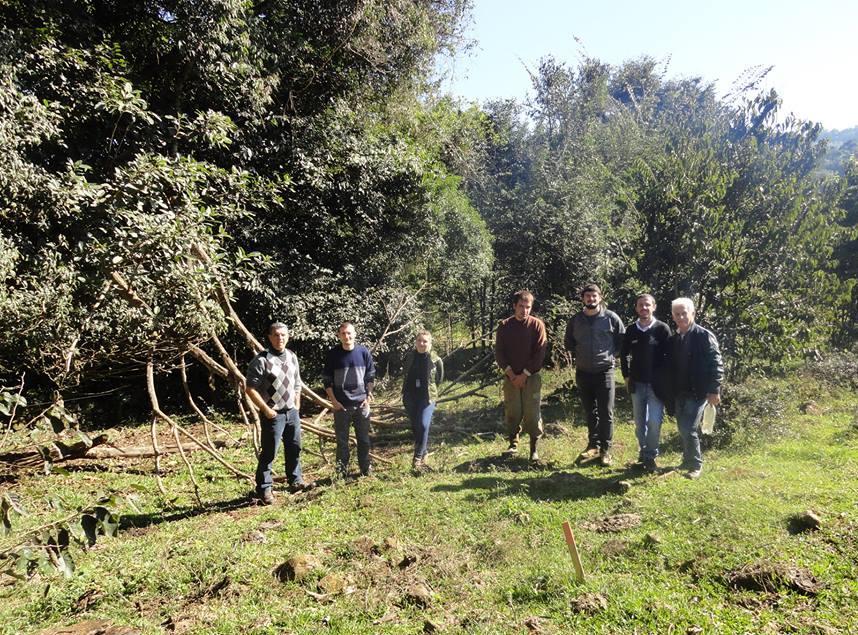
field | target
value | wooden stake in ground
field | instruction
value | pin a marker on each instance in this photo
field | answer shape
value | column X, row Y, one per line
column 573, row 551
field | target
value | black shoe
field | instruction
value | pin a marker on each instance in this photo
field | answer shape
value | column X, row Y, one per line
column 512, row 450
column 267, row 497
column 650, row 466
column 301, row 486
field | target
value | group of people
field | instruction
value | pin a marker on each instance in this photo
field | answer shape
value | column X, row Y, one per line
column 675, row 372
column 273, row 384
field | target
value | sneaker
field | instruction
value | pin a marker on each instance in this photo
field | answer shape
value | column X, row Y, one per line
column 694, row 474
column 417, row 463
column 589, row 453
column 512, row 449
column 534, row 456
column 267, row 497
column 650, row 466
column 606, row 459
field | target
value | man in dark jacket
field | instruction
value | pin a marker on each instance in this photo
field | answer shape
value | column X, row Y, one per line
column 696, row 372
column 594, row 337
column 643, row 359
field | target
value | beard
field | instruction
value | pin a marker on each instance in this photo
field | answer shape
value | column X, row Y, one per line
column 593, row 305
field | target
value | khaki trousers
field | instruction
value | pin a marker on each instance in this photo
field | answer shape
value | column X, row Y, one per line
column 522, row 407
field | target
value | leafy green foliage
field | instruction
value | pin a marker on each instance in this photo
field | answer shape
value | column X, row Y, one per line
column 50, row 547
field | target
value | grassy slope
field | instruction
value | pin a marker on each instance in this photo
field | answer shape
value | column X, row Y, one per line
column 486, row 536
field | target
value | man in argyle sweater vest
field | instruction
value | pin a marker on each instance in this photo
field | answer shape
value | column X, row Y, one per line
column 274, row 386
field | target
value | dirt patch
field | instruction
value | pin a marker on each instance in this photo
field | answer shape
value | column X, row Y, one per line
column 417, row 594
column 770, row 577
column 615, row 523
column 589, row 603
column 613, row 548
column 297, row 568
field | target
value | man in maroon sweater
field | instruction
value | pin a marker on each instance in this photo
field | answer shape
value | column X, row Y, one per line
column 520, row 350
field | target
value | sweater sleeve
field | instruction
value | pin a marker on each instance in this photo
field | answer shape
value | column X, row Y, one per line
column 537, row 353
column 714, row 365
column 625, row 351
column 369, row 375
column 619, row 333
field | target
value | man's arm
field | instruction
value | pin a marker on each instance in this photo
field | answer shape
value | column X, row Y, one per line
column 369, row 374
column 328, row 382
column 537, row 355
column 619, row 333
column 625, row 351
column 259, row 402
column 298, row 384
column 714, row 368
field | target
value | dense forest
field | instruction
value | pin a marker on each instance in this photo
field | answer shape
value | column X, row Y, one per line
column 163, row 163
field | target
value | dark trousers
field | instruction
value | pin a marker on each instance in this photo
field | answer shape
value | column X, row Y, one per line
column 420, row 416
column 286, row 426
column 597, row 397
column 343, row 419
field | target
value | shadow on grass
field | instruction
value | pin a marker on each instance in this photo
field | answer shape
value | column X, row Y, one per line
column 142, row 521
column 557, row 486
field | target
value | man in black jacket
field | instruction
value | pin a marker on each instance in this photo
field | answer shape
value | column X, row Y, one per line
column 643, row 359
column 697, row 372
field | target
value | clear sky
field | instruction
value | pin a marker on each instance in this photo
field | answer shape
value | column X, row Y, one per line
column 812, row 44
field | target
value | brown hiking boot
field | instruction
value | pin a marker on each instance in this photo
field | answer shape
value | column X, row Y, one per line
column 267, row 497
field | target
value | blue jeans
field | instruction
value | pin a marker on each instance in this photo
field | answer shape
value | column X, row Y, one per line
column 597, row 397
column 343, row 420
column 688, row 412
column 649, row 413
column 420, row 416
column 286, row 426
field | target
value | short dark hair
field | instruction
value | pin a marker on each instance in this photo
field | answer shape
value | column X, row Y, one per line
column 645, row 295
column 591, row 286
column 522, row 294
column 276, row 325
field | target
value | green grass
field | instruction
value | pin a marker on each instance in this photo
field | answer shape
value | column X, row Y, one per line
column 483, row 535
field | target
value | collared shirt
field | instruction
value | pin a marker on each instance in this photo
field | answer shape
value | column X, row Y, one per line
column 641, row 327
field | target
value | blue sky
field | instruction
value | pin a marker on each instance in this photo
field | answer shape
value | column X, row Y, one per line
column 813, row 46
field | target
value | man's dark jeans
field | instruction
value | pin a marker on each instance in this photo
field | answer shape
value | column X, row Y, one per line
column 286, row 426
column 342, row 422
column 597, row 397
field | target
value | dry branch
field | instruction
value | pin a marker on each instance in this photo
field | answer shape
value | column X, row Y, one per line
column 34, row 456
column 157, row 410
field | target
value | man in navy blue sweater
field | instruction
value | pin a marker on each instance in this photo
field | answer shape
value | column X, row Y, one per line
column 348, row 376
